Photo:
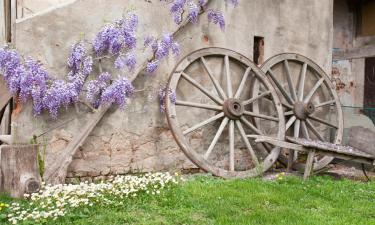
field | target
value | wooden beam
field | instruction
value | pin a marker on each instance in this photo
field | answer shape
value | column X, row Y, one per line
column 5, row 96
column 309, row 164
column 354, row 53
column 2, row 23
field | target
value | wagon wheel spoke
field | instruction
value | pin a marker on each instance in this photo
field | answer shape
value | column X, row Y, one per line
column 290, row 122
column 202, row 89
column 228, row 76
column 289, row 113
column 322, row 121
column 199, row 105
column 242, row 84
column 305, row 131
column 250, row 126
column 257, row 115
column 253, row 99
column 314, row 130
column 331, row 102
column 292, row 154
column 204, row 123
column 292, row 90
column 280, row 87
column 231, row 145
column 216, row 138
column 217, row 86
column 247, row 143
column 313, row 90
column 206, row 142
column 302, row 79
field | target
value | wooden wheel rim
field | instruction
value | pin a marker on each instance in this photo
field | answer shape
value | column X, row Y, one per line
column 319, row 72
column 173, row 122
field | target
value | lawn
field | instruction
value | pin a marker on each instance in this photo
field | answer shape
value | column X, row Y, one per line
column 207, row 200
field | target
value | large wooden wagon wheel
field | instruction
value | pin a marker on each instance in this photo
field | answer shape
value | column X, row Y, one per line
column 311, row 105
column 212, row 115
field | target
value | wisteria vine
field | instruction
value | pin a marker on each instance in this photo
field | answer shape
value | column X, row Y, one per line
column 29, row 80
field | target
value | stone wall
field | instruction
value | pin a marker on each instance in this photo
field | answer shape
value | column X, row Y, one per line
column 138, row 138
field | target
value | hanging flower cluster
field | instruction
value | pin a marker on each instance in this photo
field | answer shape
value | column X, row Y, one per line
column 30, row 81
column 178, row 7
column 161, row 49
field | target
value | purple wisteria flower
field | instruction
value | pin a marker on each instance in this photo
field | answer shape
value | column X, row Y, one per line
column 148, row 41
column 128, row 28
column 117, row 93
column 77, row 54
column 80, row 65
column 232, row 2
column 175, row 48
column 109, row 39
column 165, row 45
column 129, row 60
column 60, row 93
column 96, row 87
column 177, row 9
column 12, row 69
column 163, row 92
column 193, row 12
column 34, row 84
column 152, row 66
column 216, row 17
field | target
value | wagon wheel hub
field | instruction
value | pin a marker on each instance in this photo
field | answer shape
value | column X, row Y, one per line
column 233, row 108
column 303, row 110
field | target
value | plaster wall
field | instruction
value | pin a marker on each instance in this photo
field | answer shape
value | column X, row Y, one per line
column 348, row 68
column 138, row 138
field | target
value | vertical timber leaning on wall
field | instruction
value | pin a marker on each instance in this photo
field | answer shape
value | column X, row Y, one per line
column 7, row 36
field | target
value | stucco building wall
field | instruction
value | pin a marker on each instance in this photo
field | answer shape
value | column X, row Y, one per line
column 138, row 138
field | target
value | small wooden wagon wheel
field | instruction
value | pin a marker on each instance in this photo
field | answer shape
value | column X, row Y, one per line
column 312, row 107
column 212, row 115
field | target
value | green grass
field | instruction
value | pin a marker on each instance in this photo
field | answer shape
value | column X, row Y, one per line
column 207, row 200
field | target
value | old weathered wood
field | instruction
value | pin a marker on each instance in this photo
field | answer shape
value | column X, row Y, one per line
column 5, row 96
column 323, row 148
column 19, row 169
column 363, row 139
column 354, row 53
column 230, row 110
column 309, row 164
column 302, row 119
column 56, row 173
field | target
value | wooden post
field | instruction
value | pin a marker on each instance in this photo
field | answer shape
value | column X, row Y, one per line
column 19, row 170
column 309, row 164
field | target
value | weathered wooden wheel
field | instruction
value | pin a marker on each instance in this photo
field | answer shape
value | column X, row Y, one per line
column 312, row 107
column 213, row 89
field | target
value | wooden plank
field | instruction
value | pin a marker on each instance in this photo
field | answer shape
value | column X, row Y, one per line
column 56, row 174
column 356, row 155
column 2, row 24
column 354, row 53
column 309, row 164
column 325, row 146
column 5, row 96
